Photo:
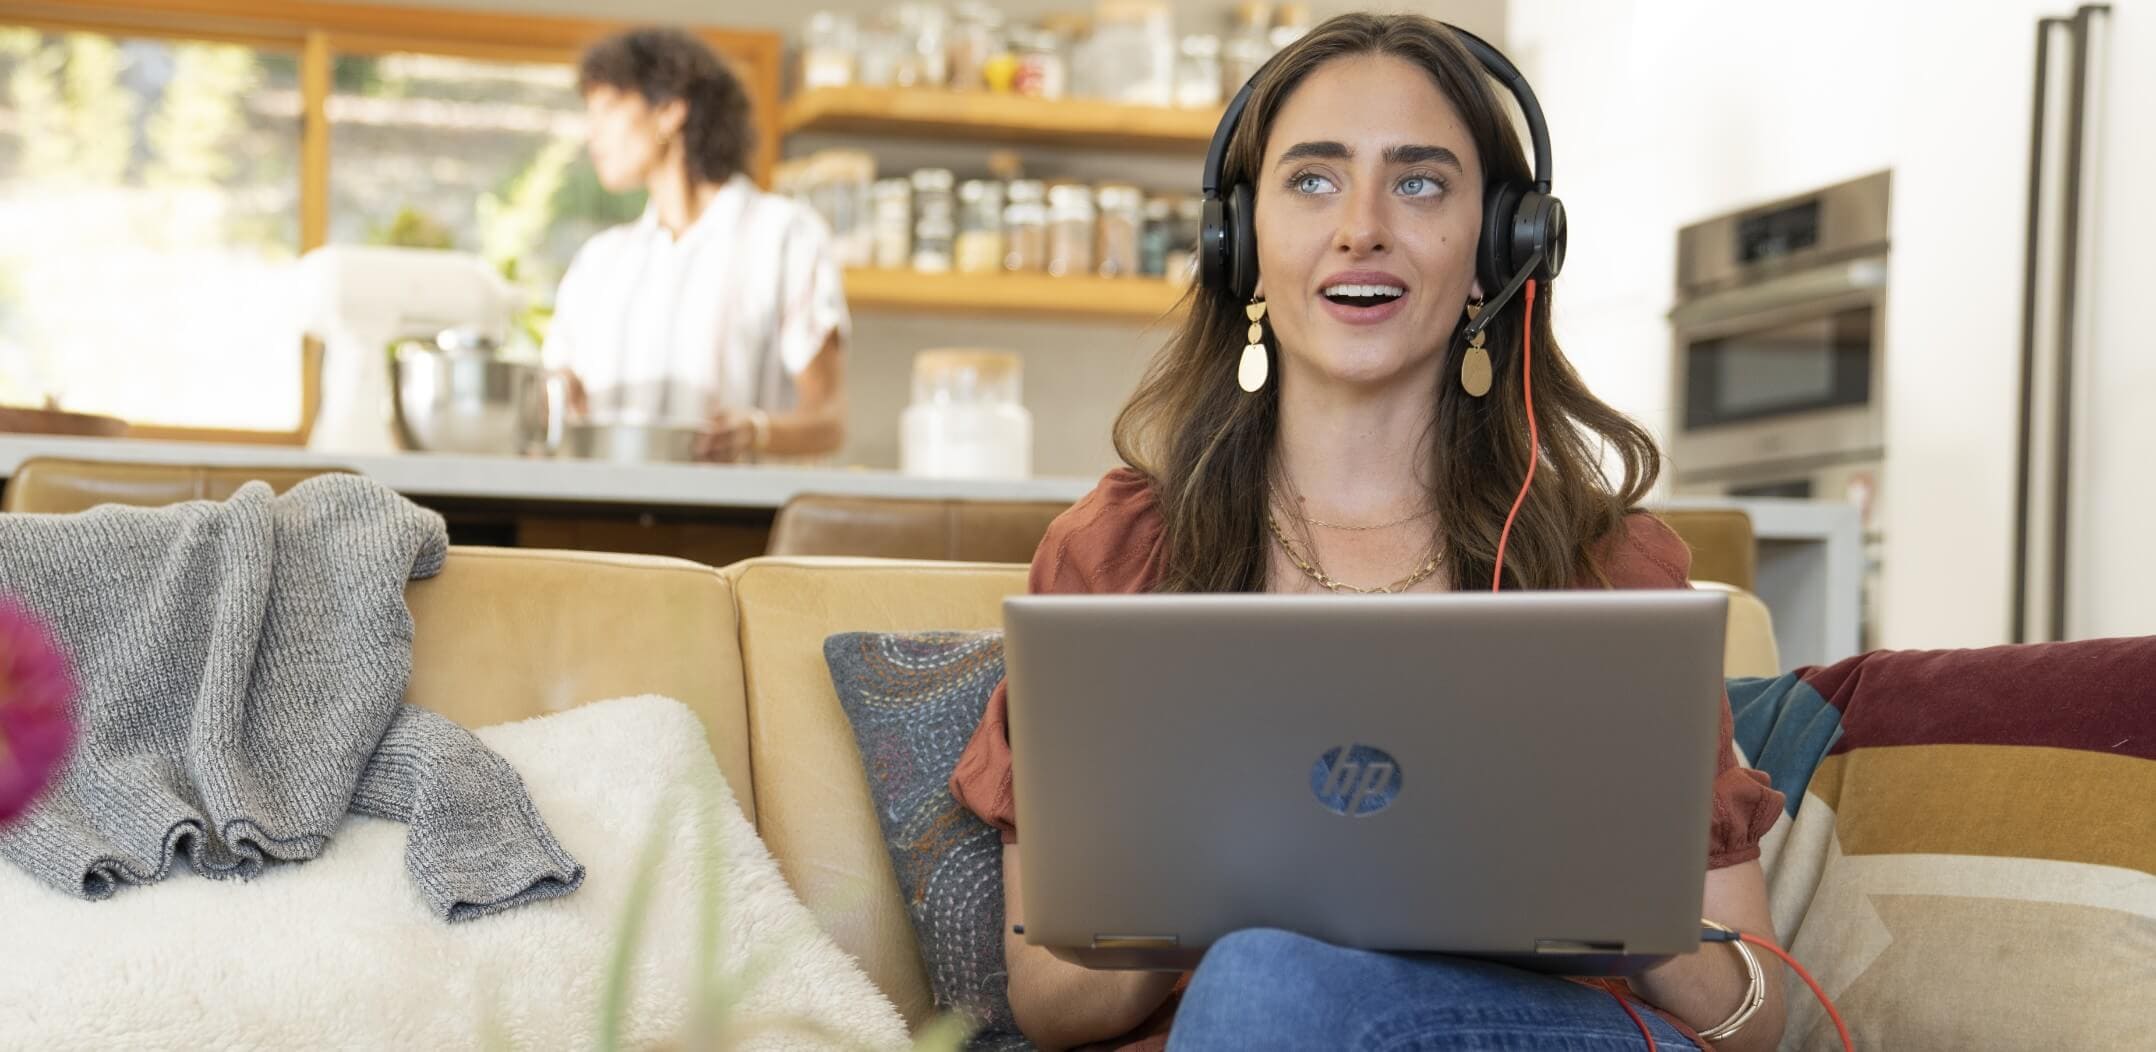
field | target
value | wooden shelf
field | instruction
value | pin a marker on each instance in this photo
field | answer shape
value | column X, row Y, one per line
column 1013, row 295
column 979, row 116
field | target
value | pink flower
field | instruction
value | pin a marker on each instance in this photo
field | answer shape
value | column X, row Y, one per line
column 36, row 726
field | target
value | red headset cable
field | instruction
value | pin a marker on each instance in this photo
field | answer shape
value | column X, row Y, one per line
column 1841, row 1028
column 1497, row 581
column 1534, row 433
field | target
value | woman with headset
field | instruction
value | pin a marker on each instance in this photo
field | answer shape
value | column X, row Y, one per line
column 1366, row 396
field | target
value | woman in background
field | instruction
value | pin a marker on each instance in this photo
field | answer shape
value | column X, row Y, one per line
column 720, row 308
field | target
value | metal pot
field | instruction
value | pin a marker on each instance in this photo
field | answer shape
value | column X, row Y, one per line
column 630, row 443
column 456, row 397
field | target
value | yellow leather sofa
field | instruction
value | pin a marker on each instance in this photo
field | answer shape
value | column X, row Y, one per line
column 507, row 634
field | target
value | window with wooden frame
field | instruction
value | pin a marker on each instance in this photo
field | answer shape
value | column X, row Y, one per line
column 163, row 163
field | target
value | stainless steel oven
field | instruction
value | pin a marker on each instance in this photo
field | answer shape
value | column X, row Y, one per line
column 1780, row 355
column 1779, row 324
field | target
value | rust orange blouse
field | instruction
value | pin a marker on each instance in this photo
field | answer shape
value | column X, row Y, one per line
column 1109, row 543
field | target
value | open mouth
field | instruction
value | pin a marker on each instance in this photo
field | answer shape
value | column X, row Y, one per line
column 1363, row 295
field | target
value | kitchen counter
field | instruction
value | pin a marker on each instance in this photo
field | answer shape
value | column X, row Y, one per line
column 1810, row 556
column 555, row 481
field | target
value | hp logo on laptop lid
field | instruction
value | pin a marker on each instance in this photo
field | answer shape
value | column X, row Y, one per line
column 1355, row 780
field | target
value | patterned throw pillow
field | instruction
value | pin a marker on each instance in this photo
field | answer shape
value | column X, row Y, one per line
column 914, row 700
column 1969, row 854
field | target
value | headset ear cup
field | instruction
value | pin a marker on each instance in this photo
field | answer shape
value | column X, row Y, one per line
column 1493, row 254
column 1213, row 246
column 1243, row 240
column 1538, row 225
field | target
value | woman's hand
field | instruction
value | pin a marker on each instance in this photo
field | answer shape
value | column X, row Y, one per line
column 816, row 425
column 728, row 437
column 575, row 400
column 1705, row 986
column 1060, row 1005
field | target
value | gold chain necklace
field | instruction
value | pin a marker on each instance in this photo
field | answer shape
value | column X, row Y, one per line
column 1364, row 529
column 1310, row 569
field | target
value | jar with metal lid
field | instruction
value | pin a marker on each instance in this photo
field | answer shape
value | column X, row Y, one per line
column 1070, row 229
column 892, row 209
column 935, row 226
column 1119, row 216
column 980, row 226
column 966, row 419
column 1025, row 226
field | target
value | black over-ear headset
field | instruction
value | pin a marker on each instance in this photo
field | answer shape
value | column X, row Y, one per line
column 1523, row 225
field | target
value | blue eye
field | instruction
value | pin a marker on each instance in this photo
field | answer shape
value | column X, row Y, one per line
column 1309, row 183
column 1421, row 186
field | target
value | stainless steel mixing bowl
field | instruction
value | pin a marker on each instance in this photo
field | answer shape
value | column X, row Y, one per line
column 630, row 443
column 469, row 402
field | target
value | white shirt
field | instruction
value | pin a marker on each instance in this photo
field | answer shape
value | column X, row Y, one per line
column 666, row 330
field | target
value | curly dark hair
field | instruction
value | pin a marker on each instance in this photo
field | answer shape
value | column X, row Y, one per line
column 664, row 63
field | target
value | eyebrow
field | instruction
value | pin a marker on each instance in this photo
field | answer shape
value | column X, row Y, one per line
column 1423, row 155
column 1396, row 155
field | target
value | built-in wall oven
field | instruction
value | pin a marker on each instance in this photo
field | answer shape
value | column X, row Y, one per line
column 1779, row 352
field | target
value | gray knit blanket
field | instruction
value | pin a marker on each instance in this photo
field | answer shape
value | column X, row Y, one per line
column 243, row 667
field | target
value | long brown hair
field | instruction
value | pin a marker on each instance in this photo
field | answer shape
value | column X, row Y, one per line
column 1207, row 447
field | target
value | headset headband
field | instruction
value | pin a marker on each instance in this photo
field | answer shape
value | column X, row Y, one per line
column 1493, row 62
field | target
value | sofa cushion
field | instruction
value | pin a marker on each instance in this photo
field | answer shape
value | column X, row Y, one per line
column 503, row 634
column 341, row 952
column 1969, row 862
column 914, row 700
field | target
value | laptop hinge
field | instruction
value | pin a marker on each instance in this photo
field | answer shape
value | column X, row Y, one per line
column 1568, row 947
column 1136, row 942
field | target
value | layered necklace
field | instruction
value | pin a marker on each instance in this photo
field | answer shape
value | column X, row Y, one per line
column 1307, row 560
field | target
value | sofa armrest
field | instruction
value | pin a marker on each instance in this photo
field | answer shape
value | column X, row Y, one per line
column 1748, row 648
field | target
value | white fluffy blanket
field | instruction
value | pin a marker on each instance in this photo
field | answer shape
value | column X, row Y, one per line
column 342, row 953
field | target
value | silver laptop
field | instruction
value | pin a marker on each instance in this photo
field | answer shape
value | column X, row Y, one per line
column 1524, row 777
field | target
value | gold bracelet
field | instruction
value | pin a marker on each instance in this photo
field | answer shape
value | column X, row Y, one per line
column 1755, row 993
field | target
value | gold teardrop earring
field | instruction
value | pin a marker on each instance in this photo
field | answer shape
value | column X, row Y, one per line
column 1475, row 364
column 1252, row 371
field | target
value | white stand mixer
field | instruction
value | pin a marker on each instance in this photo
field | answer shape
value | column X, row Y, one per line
column 360, row 298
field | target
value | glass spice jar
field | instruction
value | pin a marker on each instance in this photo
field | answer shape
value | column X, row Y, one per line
column 828, row 50
column 1070, row 229
column 1043, row 70
column 891, row 208
column 1118, row 217
column 1025, row 226
column 1156, row 236
column 980, row 226
column 934, row 220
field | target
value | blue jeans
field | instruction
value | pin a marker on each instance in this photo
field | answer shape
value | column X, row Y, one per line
column 1265, row 989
